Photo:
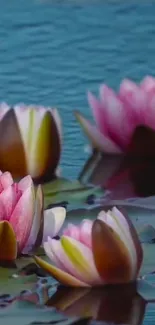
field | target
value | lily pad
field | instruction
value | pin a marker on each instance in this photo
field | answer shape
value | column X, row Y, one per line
column 13, row 284
column 149, row 259
column 146, row 290
column 23, row 312
column 147, row 234
column 71, row 191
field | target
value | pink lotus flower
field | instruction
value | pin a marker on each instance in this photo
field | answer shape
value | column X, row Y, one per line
column 33, row 135
column 106, row 251
column 23, row 223
column 118, row 115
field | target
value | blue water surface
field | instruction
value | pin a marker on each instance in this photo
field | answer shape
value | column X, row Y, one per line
column 52, row 52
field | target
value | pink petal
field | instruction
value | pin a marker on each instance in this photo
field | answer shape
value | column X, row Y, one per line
column 60, row 257
column 25, row 183
column 22, row 217
column 148, row 84
column 86, row 233
column 63, row 261
column 116, row 116
column 98, row 112
column 98, row 140
column 4, row 108
column 72, row 231
column 80, row 260
column 136, row 101
column 5, row 180
column 48, row 247
column 6, row 203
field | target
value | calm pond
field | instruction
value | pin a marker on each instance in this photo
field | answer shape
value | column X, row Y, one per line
column 51, row 53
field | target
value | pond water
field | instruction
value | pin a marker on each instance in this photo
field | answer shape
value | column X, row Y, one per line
column 51, row 53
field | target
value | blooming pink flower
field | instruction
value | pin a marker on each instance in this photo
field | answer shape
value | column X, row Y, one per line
column 23, row 223
column 104, row 251
column 118, row 114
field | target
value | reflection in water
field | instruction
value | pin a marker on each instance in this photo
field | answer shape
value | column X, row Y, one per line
column 123, row 177
column 117, row 304
column 129, row 175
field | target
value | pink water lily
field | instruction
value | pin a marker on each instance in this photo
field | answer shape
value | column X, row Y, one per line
column 104, row 251
column 118, row 114
column 33, row 135
column 23, row 223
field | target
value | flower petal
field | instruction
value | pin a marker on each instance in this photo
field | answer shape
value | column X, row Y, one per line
column 8, row 244
column 116, row 116
column 4, row 108
column 58, row 256
column 6, row 180
column 24, row 183
column 98, row 140
column 86, row 232
column 11, row 146
column 52, row 257
column 148, row 84
column 98, row 112
column 47, row 152
column 36, row 233
column 72, row 231
column 53, row 221
column 116, row 221
column 41, row 140
column 22, row 217
column 110, row 254
column 81, row 258
column 7, row 203
column 133, row 234
column 64, row 262
column 63, row 277
column 57, row 120
column 135, row 101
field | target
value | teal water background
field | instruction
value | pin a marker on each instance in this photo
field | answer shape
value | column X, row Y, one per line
column 52, row 52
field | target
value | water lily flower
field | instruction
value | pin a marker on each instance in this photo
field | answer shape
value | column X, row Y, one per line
column 117, row 115
column 23, row 223
column 100, row 252
column 30, row 141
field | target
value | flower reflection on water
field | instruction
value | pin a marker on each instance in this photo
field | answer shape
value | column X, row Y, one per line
column 120, row 304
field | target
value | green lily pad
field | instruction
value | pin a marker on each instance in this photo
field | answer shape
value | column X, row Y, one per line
column 23, row 312
column 71, row 191
column 149, row 259
column 13, row 284
column 147, row 234
column 146, row 290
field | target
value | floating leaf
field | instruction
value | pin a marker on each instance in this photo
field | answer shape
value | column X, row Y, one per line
column 149, row 259
column 146, row 290
column 71, row 191
column 23, row 312
column 147, row 234
column 11, row 283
